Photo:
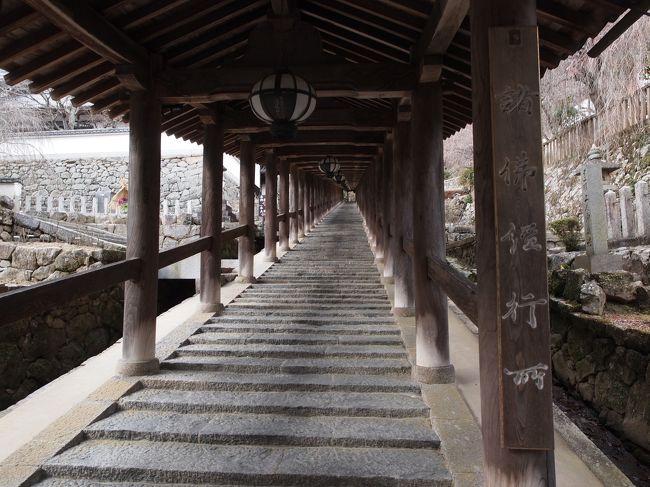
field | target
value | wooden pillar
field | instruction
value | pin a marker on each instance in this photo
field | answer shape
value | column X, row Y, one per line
column 432, row 340
column 284, row 204
column 308, row 202
column 211, row 215
column 294, row 195
column 404, row 301
column 141, row 295
column 377, row 203
column 513, row 319
column 271, row 211
column 387, row 209
column 246, row 209
column 300, row 209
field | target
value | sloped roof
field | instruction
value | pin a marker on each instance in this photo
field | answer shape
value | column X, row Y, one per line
column 208, row 34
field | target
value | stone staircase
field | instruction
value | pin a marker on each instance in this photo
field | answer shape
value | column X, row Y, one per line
column 302, row 381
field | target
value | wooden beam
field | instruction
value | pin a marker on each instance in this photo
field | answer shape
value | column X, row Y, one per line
column 321, row 119
column 369, row 80
column 441, row 27
column 351, row 138
column 176, row 254
column 331, row 149
column 87, row 26
column 459, row 289
column 37, row 298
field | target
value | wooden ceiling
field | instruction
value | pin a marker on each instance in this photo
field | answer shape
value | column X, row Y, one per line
column 92, row 50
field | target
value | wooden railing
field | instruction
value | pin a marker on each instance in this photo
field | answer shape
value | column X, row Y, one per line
column 577, row 139
column 25, row 302
column 460, row 290
column 22, row 303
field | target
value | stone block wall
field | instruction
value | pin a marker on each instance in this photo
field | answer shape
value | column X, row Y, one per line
column 37, row 350
column 608, row 366
column 180, row 179
column 28, row 263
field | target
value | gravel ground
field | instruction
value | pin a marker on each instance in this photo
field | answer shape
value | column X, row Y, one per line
column 587, row 420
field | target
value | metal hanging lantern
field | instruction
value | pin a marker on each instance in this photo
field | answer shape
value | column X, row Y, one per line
column 329, row 166
column 283, row 100
column 339, row 178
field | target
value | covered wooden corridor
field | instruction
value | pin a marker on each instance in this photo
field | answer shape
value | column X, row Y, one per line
column 331, row 95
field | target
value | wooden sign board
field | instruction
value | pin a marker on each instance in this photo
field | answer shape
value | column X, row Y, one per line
column 523, row 326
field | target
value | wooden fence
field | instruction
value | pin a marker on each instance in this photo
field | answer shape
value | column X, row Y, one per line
column 576, row 140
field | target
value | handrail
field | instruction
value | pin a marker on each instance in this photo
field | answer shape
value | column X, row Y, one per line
column 460, row 290
column 23, row 303
column 182, row 252
column 233, row 233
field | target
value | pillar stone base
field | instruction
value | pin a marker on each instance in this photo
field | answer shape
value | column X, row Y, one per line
column 388, row 280
column 403, row 312
column 245, row 279
column 379, row 260
column 271, row 259
column 129, row 368
column 215, row 308
column 444, row 374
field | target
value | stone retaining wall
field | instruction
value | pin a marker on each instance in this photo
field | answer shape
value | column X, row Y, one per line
column 180, row 178
column 36, row 350
column 25, row 263
column 608, row 366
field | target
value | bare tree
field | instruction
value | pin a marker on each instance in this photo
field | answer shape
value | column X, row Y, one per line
column 17, row 115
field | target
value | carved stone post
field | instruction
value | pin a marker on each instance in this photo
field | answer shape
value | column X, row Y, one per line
column 211, row 215
column 284, row 204
column 246, row 209
column 513, row 317
column 432, row 343
column 141, row 295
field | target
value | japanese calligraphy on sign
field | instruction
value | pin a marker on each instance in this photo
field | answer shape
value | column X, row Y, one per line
column 536, row 373
column 518, row 98
column 527, row 234
column 527, row 301
column 518, row 171
column 522, row 316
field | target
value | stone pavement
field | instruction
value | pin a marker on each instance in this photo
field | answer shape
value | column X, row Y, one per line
column 303, row 380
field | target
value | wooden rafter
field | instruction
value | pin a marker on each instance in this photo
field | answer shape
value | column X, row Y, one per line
column 91, row 29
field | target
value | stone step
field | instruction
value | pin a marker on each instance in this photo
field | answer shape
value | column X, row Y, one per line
column 172, row 462
column 315, row 293
column 301, row 403
column 237, row 326
column 198, row 380
column 291, row 351
column 70, row 482
column 290, row 366
column 268, row 305
column 293, row 339
column 281, row 299
column 324, row 286
column 304, row 316
column 266, row 429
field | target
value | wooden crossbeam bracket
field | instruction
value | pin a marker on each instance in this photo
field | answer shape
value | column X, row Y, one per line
column 431, row 69
column 132, row 77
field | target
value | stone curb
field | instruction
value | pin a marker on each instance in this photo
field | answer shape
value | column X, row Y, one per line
column 601, row 466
